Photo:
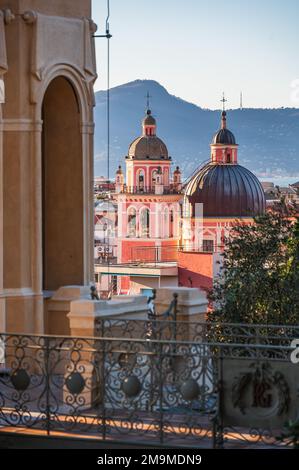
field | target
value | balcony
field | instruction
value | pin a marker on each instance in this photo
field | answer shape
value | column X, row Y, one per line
column 149, row 190
column 154, row 382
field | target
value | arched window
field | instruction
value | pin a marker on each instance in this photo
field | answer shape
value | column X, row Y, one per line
column 132, row 222
column 145, row 223
column 140, row 180
column 154, row 175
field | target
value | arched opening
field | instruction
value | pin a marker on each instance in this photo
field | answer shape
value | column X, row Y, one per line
column 140, row 180
column 145, row 223
column 154, row 176
column 132, row 222
column 62, row 182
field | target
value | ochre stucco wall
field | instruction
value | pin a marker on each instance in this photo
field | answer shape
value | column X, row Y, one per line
column 33, row 53
column 72, row 8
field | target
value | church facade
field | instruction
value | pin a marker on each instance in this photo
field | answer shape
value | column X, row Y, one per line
column 163, row 220
column 148, row 203
column 220, row 194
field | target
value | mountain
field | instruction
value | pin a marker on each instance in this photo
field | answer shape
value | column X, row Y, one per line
column 268, row 138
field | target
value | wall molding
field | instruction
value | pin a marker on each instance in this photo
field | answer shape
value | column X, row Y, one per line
column 21, row 125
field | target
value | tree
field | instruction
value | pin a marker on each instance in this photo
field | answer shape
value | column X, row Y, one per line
column 259, row 278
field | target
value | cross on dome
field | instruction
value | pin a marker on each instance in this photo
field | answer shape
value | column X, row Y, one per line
column 148, row 96
column 223, row 101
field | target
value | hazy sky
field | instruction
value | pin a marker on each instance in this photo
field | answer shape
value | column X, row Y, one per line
column 197, row 48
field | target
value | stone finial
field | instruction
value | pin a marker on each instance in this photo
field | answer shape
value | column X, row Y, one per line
column 93, row 293
column 8, row 16
column 29, row 17
column 93, row 26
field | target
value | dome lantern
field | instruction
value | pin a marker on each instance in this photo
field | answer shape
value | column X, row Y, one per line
column 148, row 146
column 224, row 148
column 149, row 124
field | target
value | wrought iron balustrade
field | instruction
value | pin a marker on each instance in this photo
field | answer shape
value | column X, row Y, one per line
column 161, row 392
column 163, row 327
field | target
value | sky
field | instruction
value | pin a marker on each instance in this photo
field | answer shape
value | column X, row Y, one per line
column 197, row 49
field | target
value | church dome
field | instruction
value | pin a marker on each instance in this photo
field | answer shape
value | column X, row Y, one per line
column 224, row 136
column 148, row 147
column 226, row 191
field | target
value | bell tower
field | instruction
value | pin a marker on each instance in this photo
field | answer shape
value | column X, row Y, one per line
column 47, row 72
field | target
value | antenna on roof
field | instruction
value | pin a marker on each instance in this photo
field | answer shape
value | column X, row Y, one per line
column 241, row 100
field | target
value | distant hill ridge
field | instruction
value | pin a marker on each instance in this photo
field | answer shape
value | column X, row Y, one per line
column 268, row 138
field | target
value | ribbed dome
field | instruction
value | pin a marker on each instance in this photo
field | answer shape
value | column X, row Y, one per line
column 148, row 147
column 224, row 136
column 226, row 191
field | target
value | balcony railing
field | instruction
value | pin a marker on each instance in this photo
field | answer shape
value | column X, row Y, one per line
column 202, row 249
column 149, row 190
column 164, row 327
column 154, row 254
column 135, row 388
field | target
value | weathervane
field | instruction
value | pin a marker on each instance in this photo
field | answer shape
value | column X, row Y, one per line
column 223, row 101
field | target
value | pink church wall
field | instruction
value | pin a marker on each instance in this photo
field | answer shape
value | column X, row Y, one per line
column 196, row 266
column 130, row 250
column 148, row 169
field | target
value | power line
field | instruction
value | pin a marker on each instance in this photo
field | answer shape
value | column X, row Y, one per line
column 108, row 36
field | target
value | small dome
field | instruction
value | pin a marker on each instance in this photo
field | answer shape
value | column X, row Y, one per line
column 119, row 171
column 149, row 120
column 150, row 147
column 226, row 191
column 224, row 136
column 177, row 170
